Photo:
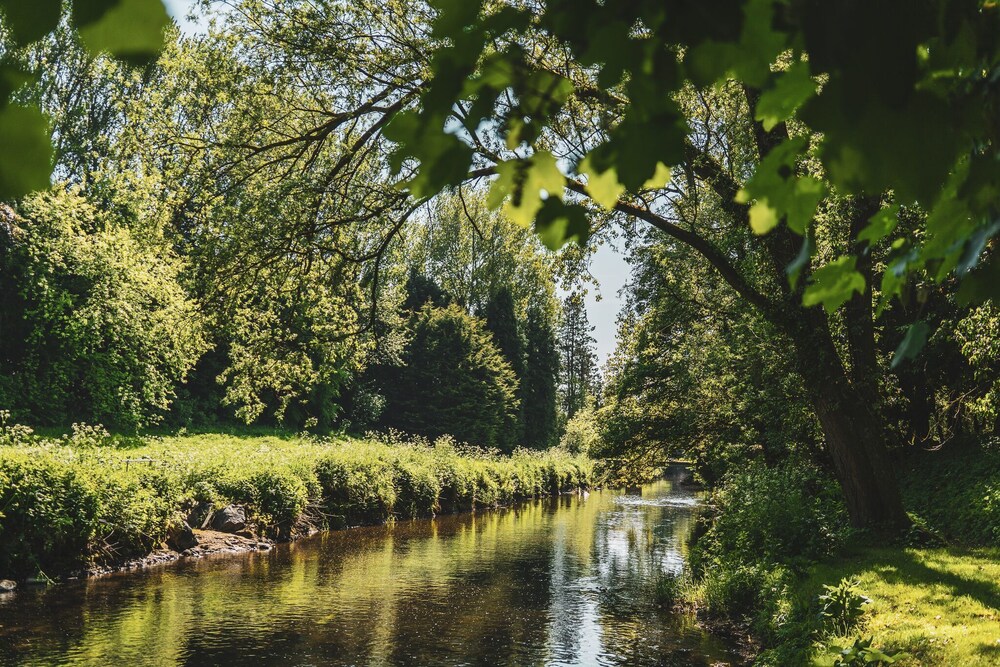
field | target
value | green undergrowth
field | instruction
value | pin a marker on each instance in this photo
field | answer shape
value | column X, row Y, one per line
column 90, row 497
column 955, row 491
column 938, row 606
column 776, row 561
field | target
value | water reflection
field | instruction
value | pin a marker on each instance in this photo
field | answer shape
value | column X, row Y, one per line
column 555, row 582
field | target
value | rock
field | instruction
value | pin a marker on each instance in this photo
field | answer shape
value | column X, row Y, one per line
column 199, row 515
column 7, row 586
column 230, row 519
column 180, row 536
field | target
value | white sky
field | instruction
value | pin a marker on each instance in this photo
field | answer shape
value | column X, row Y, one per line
column 609, row 267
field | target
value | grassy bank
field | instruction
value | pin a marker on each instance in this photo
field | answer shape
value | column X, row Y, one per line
column 89, row 498
column 779, row 564
column 938, row 606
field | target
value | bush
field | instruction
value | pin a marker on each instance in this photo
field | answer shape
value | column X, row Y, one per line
column 99, row 325
column 790, row 514
column 956, row 491
column 749, row 592
column 74, row 500
column 49, row 512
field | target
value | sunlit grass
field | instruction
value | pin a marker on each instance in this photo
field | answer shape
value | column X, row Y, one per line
column 940, row 606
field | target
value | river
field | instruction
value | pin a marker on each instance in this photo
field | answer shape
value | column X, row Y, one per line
column 560, row 581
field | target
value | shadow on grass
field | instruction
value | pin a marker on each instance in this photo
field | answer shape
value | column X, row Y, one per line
column 911, row 570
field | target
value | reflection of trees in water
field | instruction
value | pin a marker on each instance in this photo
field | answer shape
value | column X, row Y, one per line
column 513, row 587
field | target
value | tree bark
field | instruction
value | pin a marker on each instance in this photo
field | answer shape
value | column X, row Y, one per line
column 855, row 438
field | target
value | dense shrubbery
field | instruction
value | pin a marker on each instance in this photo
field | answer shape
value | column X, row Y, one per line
column 68, row 501
column 95, row 323
column 789, row 514
column 956, row 491
column 768, row 524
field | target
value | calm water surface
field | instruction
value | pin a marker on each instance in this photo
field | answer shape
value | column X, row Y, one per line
column 553, row 582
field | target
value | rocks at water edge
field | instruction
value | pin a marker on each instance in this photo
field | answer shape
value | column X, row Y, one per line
column 230, row 519
column 180, row 536
column 7, row 586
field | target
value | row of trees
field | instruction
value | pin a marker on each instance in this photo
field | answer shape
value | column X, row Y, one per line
column 177, row 274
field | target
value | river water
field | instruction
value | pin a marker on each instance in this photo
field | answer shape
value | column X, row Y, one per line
column 561, row 581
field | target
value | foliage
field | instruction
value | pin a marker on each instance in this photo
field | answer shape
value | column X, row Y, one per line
column 790, row 514
column 753, row 593
column 578, row 378
column 647, row 53
column 581, row 435
column 862, row 653
column 956, row 490
column 101, row 328
column 453, row 380
column 131, row 30
column 502, row 322
column 539, row 383
column 842, row 606
column 475, row 253
column 65, row 505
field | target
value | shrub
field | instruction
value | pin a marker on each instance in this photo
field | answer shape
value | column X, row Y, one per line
column 73, row 500
column 842, row 606
column 750, row 592
column 790, row 514
column 49, row 512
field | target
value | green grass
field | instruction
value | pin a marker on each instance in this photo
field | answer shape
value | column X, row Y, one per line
column 940, row 606
column 91, row 497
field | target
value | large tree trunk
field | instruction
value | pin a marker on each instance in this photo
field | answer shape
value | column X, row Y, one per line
column 855, row 438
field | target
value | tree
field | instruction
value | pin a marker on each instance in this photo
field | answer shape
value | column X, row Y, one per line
column 452, row 380
column 623, row 72
column 101, row 328
column 501, row 321
column 578, row 365
column 540, row 382
column 421, row 290
column 130, row 31
column 474, row 252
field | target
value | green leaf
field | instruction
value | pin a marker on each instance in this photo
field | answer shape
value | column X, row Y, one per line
column 131, row 30
column 763, row 218
column 748, row 59
column 880, row 225
column 834, row 284
column 794, row 268
column 873, row 148
column 603, row 187
column 791, row 89
column 913, row 342
column 659, row 179
column 779, row 193
column 520, row 183
column 86, row 12
column 981, row 285
column 558, row 223
column 26, row 160
column 30, row 20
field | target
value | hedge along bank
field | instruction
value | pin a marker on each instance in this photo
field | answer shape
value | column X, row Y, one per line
column 90, row 499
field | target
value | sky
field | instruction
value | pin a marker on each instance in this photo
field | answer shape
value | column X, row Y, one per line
column 608, row 268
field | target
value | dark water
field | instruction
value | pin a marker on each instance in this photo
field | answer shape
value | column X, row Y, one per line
column 554, row 582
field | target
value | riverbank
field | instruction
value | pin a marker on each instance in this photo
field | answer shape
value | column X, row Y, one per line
column 91, row 502
column 778, row 569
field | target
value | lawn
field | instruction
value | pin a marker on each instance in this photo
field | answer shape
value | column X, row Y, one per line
column 940, row 606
